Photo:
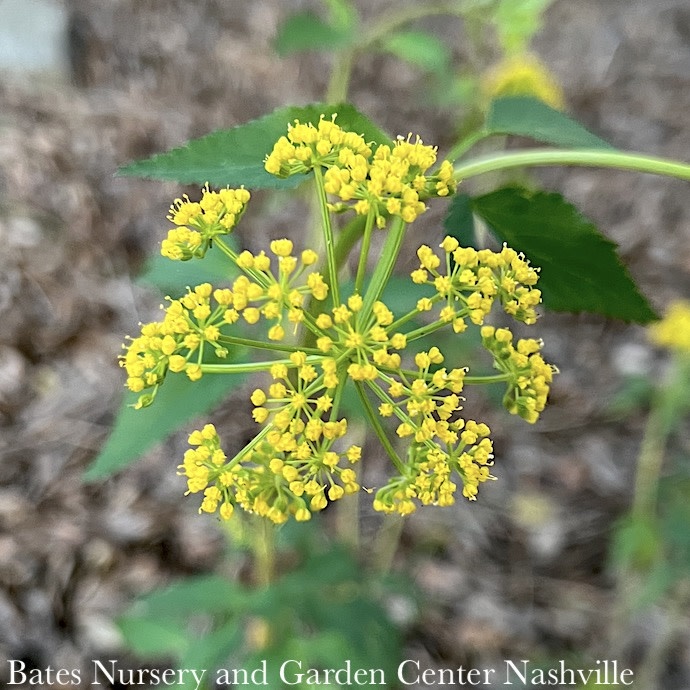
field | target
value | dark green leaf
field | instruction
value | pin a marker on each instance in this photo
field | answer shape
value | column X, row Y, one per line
column 635, row 394
column 637, row 544
column 580, row 270
column 420, row 49
column 211, row 652
column 529, row 117
column 306, row 31
column 151, row 638
column 236, row 156
column 178, row 401
column 203, row 594
column 173, row 277
column 459, row 222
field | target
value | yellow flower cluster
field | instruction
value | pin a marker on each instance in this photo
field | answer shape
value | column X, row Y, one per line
column 169, row 345
column 295, row 470
column 468, row 282
column 429, row 479
column 530, row 376
column 426, row 404
column 388, row 180
column 274, row 295
column 673, row 331
column 365, row 342
column 203, row 315
column 299, row 460
column 216, row 213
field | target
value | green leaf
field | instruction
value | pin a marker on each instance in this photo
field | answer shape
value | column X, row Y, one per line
column 173, row 277
column 203, row 594
column 529, row 117
column 178, row 401
column 635, row 393
column 517, row 21
column 211, row 651
column 637, row 543
column 459, row 222
column 306, row 31
column 152, row 638
column 236, row 156
column 420, row 49
column 580, row 270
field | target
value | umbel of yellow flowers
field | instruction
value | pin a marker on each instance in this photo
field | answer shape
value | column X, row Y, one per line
column 299, row 460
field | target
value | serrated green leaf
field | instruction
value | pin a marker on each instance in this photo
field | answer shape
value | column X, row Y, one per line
column 529, row 117
column 172, row 277
column 420, row 49
column 305, row 31
column 236, row 156
column 580, row 270
column 152, row 638
column 178, row 401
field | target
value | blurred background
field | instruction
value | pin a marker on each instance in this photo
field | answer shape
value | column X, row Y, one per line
column 529, row 570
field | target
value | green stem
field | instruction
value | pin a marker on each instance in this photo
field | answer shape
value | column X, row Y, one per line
column 272, row 346
column 264, row 552
column 225, row 248
column 364, row 252
column 470, row 380
column 587, row 158
column 230, row 252
column 658, row 428
column 347, row 238
column 386, row 24
column 380, row 431
column 339, row 83
column 481, row 380
column 387, row 542
column 328, row 236
column 424, row 330
column 384, row 268
column 466, row 144
column 251, row 367
column 391, row 21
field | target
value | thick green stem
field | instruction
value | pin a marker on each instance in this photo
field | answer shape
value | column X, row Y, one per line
column 380, row 431
column 595, row 158
column 347, row 238
column 384, row 268
column 339, row 83
column 364, row 252
column 466, row 144
column 328, row 236
column 387, row 542
column 264, row 552
column 656, row 433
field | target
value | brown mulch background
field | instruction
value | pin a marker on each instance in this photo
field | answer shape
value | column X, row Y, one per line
column 520, row 572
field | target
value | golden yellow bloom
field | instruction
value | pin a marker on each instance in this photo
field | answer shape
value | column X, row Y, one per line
column 523, row 75
column 673, row 331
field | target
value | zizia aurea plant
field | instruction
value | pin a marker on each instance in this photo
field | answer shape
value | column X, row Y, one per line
column 316, row 339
